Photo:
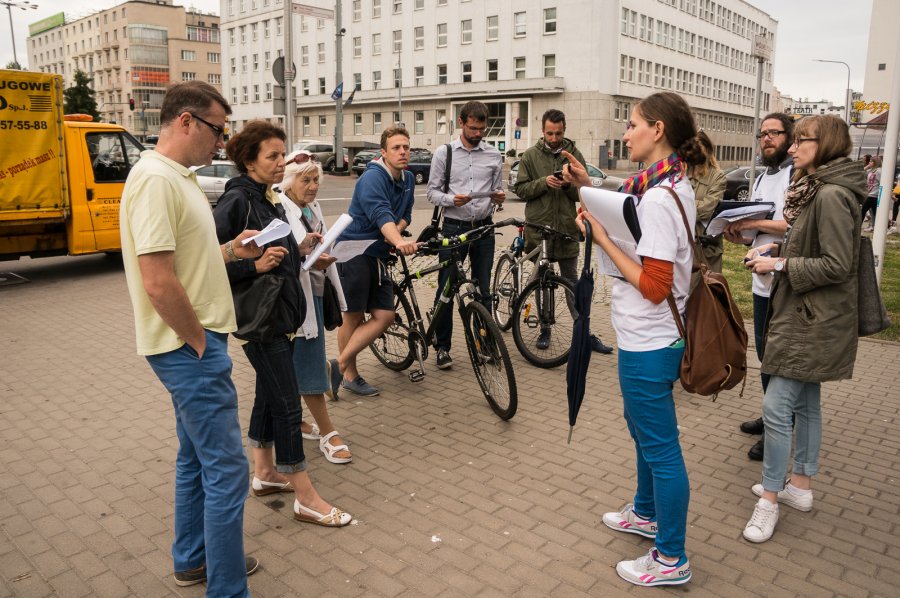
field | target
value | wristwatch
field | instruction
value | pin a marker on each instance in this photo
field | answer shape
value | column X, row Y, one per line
column 779, row 265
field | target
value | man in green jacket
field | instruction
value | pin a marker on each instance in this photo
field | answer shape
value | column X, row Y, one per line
column 551, row 202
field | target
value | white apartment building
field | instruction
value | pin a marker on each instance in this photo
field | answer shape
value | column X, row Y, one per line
column 593, row 59
column 880, row 59
column 133, row 50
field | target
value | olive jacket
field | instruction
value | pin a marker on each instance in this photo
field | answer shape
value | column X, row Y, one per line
column 708, row 192
column 811, row 334
column 553, row 207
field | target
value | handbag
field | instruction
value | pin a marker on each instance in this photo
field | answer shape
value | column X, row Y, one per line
column 715, row 351
column 255, row 301
column 331, row 307
column 432, row 230
column 873, row 316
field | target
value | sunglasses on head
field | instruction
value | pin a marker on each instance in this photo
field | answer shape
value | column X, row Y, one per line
column 304, row 158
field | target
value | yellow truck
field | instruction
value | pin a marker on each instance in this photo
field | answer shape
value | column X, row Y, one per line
column 61, row 177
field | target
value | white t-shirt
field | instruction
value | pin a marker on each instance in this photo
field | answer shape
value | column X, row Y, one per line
column 640, row 324
column 770, row 187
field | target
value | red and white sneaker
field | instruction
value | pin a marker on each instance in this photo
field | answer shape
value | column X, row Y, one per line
column 630, row 522
column 649, row 571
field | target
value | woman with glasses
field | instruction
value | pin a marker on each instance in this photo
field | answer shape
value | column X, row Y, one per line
column 249, row 201
column 661, row 133
column 811, row 336
column 300, row 185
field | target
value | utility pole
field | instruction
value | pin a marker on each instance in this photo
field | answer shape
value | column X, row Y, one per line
column 338, row 81
column 289, row 75
column 399, row 91
column 847, row 96
column 762, row 50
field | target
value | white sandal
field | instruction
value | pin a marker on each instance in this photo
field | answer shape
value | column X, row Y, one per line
column 314, row 435
column 329, row 450
column 334, row 518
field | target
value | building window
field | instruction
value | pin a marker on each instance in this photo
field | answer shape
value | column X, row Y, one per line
column 214, row 79
column 549, row 20
column 243, row 30
column 882, row 66
column 493, row 27
column 213, row 57
column 420, row 75
column 466, row 69
column 266, row 30
column 442, row 35
column 268, row 57
column 441, row 122
column 233, row 66
column 419, row 121
column 419, row 36
column 304, row 24
column 323, row 125
column 268, row 92
column 256, row 93
column 492, row 70
column 376, row 79
column 188, row 76
column 465, row 28
column 322, row 85
column 549, row 65
column 376, row 44
column 376, row 122
column 398, row 41
column 320, row 23
column 188, row 55
column 398, row 6
column 357, row 47
column 357, row 81
column 234, row 95
column 357, row 124
column 255, row 62
column 244, row 94
column 306, row 126
column 442, row 74
column 376, row 9
column 442, row 2
column 357, row 10
column 420, row 4
column 321, row 52
column 398, row 78
column 253, row 31
column 304, row 86
column 278, row 26
column 397, row 120
column 519, row 67
column 304, row 55
column 244, row 63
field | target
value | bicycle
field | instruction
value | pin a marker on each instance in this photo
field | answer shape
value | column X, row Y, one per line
column 541, row 311
column 407, row 339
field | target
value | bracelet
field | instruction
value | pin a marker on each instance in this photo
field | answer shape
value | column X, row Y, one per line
column 229, row 251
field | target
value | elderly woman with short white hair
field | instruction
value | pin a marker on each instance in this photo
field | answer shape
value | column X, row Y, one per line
column 300, row 185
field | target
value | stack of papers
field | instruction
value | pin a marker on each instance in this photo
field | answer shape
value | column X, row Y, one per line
column 752, row 211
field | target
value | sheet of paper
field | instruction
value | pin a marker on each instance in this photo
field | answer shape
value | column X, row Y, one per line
column 608, row 207
column 718, row 224
column 479, row 194
column 347, row 250
column 605, row 263
column 277, row 229
column 331, row 236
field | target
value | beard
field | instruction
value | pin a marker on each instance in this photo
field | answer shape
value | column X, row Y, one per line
column 776, row 158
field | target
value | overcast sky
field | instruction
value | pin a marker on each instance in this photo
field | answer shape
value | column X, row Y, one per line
column 807, row 29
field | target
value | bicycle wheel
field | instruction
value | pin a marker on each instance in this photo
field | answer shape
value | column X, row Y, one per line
column 543, row 311
column 392, row 346
column 504, row 290
column 490, row 360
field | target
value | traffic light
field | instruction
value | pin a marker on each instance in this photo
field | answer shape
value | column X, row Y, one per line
column 131, row 103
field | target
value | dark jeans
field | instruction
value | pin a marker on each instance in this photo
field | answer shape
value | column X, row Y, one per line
column 870, row 205
column 760, row 308
column 481, row 258
column 276, row 411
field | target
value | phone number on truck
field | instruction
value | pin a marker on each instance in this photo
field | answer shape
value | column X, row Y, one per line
column 23, row 125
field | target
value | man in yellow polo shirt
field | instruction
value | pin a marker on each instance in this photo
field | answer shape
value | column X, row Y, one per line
column 183, row 312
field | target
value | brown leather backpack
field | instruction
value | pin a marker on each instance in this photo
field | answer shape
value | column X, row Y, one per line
column 715, row 353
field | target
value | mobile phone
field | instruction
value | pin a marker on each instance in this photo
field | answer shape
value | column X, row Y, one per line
column 558, row 174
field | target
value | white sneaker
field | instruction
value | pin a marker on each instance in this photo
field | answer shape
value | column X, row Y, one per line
column 802, row 502
column 648, row 571
column 627, row 521
column 762, row 523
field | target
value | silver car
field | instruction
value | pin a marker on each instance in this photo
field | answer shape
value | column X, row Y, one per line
column 599, row 179
column 212, row 178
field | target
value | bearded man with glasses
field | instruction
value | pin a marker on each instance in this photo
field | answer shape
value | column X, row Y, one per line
column 776, row 135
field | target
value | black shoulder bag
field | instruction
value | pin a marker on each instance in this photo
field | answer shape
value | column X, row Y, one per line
column 431, row 231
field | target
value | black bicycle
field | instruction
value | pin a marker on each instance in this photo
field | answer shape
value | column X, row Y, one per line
column 407, row 339
column 541, row 312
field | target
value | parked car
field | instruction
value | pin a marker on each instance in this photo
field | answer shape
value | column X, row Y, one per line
column 599, row 179
column 420, row 164
column 212, row 178
column 737, row 183
column 325, row 152
column 362, row 159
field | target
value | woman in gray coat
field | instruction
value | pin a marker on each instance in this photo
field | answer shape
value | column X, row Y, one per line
column 811, row 335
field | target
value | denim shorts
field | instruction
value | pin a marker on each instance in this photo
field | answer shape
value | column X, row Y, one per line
column 367, row 284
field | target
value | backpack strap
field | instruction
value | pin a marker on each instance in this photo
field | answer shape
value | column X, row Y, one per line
column 438, row 210
column 698, row 265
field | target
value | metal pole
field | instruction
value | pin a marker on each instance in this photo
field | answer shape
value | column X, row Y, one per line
column 339, row 79
column 759, row 70
column 887, row 171
column 289, row 76
column 12, row 34
column 399, row 91
column 847, row 95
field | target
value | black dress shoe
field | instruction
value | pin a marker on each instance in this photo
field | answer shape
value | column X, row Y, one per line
column 756, row 451
column 754, row 426
column 597, row 346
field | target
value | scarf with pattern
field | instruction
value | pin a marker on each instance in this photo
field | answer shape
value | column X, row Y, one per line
column 670, row 166
column 798, row 195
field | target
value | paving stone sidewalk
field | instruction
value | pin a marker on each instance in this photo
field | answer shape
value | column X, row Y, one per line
column 448, row 499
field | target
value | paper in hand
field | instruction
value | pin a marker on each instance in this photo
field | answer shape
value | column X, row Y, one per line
column 331, row 236
column 277, row 229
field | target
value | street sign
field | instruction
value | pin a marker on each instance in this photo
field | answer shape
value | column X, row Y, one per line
column 312, row 11
column 762, row 47
column 518, row 123
column 518, row 134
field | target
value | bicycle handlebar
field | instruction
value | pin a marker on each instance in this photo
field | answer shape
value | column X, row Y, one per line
column 442, row 243
column 545, row 229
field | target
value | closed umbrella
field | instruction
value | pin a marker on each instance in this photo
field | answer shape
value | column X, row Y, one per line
column 580, row 353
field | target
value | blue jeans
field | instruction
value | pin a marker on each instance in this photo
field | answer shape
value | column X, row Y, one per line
column 481, row 258
column 786, row 399
column 211, row 471
column 760, row 309
column 663, row 490
column 275, row 418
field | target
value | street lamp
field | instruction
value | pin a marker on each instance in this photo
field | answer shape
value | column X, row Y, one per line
column 11, row 4
column 846, row 97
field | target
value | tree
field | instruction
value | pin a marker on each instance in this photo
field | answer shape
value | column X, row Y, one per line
column 79, row 99
column 12, row 65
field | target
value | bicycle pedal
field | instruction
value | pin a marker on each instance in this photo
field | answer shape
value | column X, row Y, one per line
column 417, row 376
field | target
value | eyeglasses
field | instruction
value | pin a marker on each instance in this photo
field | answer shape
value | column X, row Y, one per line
column 770, row 134
column 304, row 158
column 800, row 140
column 219, row 131
column 475, row 129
